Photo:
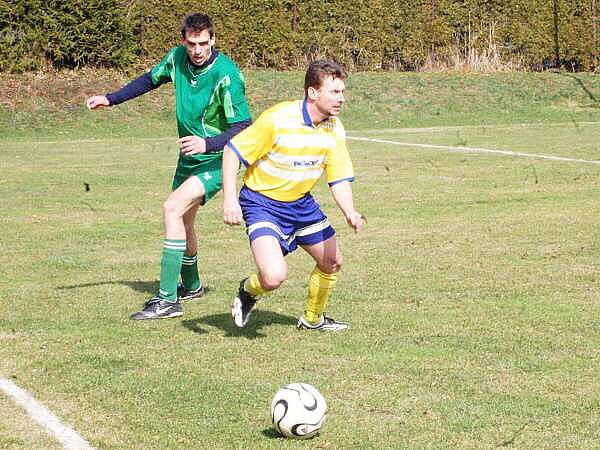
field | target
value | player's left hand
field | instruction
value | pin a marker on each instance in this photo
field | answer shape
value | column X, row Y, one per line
column 192, row 145
column 356, row 220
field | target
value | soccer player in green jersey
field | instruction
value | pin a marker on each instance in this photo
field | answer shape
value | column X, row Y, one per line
column 211, row 108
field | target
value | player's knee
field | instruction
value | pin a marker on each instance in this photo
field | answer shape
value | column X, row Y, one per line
column 273, row 278
column 337, row 265
column 332, row 264
column 171, row 209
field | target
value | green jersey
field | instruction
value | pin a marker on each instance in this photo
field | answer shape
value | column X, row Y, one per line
column 208, row 100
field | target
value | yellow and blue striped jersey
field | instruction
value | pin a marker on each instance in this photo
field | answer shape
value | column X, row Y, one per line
column 285, row 153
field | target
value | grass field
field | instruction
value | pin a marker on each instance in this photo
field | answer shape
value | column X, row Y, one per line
column 473, row 293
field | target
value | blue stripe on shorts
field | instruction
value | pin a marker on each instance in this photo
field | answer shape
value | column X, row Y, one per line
column 300, row 222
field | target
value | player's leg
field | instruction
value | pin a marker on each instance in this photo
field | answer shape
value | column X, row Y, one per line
column 272, row 268
column 271, row 273
column 183, row 199
column 322, row 281
column 210, row 177
column 270, row 235
column 316, row 236
column 191, row 285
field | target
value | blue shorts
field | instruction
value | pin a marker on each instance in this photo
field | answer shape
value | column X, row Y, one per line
column 300, row 222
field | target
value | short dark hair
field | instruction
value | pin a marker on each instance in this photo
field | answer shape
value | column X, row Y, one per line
column 197, row 23
column 319, row 69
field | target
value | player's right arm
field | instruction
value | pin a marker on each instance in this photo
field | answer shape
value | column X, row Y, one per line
column 232, row 212
column 134, row 89
column 246, row 148
column 161, row 73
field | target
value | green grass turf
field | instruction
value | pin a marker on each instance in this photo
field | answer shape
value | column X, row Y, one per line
column 472, row 293
column 52, row 105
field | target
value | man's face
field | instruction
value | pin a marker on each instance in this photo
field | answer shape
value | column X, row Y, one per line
column 330, row 96
column 199, row 46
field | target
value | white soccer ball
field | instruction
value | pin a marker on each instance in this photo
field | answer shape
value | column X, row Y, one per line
column 298, row 411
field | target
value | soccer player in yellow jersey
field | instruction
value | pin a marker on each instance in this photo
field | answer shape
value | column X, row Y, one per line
column 285, row 152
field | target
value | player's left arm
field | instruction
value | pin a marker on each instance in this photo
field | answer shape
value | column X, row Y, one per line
column 342, row 194
column 340, row 174
column 191, row 145
column 216, row 143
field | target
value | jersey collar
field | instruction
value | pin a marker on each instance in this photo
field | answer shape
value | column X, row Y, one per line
column 306, row 116
column 208, row 62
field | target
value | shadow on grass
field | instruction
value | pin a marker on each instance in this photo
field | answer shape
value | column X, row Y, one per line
column 588, row 92
column 271, row 433
column 145, row 287
column 224, row 322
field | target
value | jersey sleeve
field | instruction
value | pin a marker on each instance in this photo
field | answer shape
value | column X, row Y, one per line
column 255, row 141
column 338, row 165
column 164, row 71
column 134, row 89
column 233, row 96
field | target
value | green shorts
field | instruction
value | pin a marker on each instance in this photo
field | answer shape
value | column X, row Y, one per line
column 209, row 175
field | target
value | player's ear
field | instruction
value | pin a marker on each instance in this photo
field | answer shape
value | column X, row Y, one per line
column 313, row 93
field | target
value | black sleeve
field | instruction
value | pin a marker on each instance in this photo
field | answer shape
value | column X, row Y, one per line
column 134, row 89
column 216, row 143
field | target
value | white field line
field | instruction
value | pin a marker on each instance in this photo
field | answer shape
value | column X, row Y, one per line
column 173, row 139
column 516, row 126
column 461, row 149
column 458, row 149
column 69, row 439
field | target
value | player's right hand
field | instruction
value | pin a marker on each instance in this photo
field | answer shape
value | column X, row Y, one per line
column 192, row 145
column 232, row 212
column 97, row 101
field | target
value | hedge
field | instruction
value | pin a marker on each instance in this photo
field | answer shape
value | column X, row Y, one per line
column 361, row 34
column 67, row 33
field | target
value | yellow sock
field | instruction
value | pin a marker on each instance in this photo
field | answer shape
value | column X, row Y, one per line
column 252, row 286
column 320, row 285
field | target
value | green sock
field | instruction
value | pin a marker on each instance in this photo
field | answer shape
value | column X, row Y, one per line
column 170, row 266
column 189, row 273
